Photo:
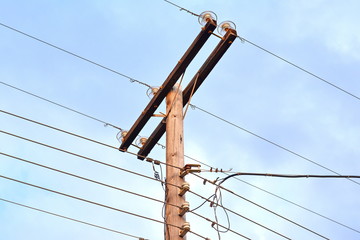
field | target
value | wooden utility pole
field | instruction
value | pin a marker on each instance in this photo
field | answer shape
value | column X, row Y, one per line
column 174, row 157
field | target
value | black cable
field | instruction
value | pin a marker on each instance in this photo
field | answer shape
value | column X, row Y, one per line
column 75, row 55
column 262, row 207
column 60, row 105
column 287, row 176
column 271, row 142
column 85, row 179
column 279, row 197
column 71, row 219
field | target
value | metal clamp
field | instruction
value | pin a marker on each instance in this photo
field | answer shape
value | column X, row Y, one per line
column 188, row 168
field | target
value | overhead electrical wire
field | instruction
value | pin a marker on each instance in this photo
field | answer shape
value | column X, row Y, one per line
column 83, row 178
column 83, row 157
column 260, row 206
column 55, row 128
column 271, row 142
column 131, row 79
column 96, row 203
column 277, row 56
column 151, row 160
column 289, row 175
column 72, row 219
column 233, row 231
column 159, row 162
column 233, row 212
column 73, row 54
column 60, row 105
column 279, row 197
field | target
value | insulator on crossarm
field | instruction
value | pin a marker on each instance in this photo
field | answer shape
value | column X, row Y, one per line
column 206, row 17
column 225, row 26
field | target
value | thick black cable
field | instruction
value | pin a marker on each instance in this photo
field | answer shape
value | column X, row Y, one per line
column 62, row 106
column 279, row 197
column 260, row 206
column 85, row 179
column 71, row 219
column 287, row 176
column 75, row 55
column 271, row 142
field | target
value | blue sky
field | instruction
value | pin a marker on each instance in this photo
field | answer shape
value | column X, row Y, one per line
column 256, row 91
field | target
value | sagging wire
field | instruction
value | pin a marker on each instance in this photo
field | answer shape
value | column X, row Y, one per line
column 217, row 198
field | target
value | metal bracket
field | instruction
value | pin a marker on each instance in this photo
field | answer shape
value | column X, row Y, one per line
column 184, row 229
column 188, row 168
column 159, row 115
column 184, row 188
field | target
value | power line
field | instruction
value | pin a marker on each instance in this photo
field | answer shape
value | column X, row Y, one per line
column 271, row 142
column 303, row 69
column 81, row 156
column 260, row 206
column 57, row 129
column 281, row 58
column 71, row 219
column 235, row 213
column 279, row 197
column 148, row 159
column 85, row 200
column 75, row 55
column 83, row 178
column 60, row 105
column 209, row 220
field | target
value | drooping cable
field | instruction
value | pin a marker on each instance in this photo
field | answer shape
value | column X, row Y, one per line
column 71, row 219
column 262, row 207
column 233, row 212
column 279, row 197
column 286, row 176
